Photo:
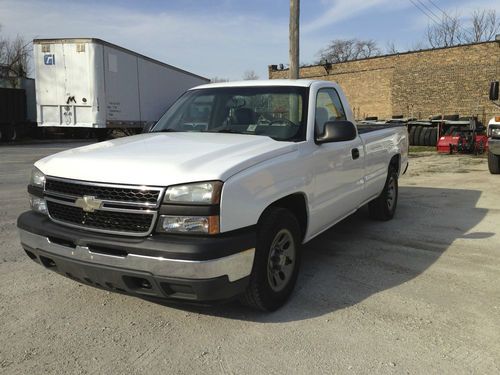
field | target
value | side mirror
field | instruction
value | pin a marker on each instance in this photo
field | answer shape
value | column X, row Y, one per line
column 147, row 128
column 494, row 90
column 337, row 131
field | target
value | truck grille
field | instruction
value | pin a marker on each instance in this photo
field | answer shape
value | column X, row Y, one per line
column 121, row 194
column 123, row 210
column 104, row 220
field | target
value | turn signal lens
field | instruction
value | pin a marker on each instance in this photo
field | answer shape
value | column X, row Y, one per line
column 38, row 204
column 189, row 224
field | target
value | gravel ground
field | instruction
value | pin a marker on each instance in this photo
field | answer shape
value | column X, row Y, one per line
column 419, row 294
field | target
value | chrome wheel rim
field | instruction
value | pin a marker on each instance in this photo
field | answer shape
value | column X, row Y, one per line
column 391, row 193
column 281, row 260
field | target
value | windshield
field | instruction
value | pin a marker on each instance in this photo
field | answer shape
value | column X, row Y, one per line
column 276, row 112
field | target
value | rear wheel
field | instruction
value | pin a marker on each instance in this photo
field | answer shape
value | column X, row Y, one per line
column 493, row 163
column 276, row 263
column 384, row 206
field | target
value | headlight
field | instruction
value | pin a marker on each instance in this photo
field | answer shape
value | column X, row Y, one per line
column 189, row 224
column 37, row 178
column 38, row 204
column 197, row 193
column 494, row 131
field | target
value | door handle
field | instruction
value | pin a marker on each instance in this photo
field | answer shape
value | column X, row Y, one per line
column 355, row 153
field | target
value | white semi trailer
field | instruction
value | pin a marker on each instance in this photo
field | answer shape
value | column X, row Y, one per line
column 93, row 84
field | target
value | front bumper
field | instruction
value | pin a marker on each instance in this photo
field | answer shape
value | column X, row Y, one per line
column 494, row 145
column 179, row 267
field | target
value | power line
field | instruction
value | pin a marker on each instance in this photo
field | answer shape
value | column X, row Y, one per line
column 451, row 19
column 430, row 10
column 424, row 12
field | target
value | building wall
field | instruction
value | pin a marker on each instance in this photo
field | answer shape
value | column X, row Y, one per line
column 416, row 84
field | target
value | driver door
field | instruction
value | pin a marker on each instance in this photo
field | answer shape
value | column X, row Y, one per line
column 339, row 166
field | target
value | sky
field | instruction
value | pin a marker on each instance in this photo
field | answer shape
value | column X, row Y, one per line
column 225, row 38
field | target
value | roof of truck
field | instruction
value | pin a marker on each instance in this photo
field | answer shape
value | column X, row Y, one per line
column 103, row 42
column 266, row 82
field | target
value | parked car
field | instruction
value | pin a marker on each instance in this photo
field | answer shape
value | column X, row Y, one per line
column 217, row 199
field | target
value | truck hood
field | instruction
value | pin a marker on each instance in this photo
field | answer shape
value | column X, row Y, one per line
column 164, row 159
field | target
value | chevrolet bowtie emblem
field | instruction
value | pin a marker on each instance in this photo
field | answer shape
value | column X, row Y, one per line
column 88, row 203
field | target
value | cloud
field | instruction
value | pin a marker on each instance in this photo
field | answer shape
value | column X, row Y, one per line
column 340, row 10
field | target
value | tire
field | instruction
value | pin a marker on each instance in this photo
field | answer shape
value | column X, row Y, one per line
column 493, row 163
column 412, row 135
column 416, row 136
column 102, row 134
column 270, row 287
column 428, row 133
column 421, row 140
column 384, row 206
column 434, row 133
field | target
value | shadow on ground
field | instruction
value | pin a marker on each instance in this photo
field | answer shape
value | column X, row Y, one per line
column 359, row 257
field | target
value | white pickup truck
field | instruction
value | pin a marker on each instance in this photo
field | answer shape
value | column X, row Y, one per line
column 214, row 201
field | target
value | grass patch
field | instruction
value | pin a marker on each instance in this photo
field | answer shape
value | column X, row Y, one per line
column 422, row 149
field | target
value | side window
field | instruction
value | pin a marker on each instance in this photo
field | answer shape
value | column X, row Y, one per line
column 328, row 108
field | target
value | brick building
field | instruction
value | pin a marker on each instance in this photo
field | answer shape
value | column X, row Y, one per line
column 453, row 80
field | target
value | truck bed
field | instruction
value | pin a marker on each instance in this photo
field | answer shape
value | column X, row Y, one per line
column 365, row 128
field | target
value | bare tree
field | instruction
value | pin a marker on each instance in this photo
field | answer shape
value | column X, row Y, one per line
column 391, row 48
column 417, row 46
column 341, row 50
column 250, row 75
column 451, row 30
column 15, row 55
column 445, row 33
column 484, row 26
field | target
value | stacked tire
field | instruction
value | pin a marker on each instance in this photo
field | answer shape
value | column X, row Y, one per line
column 423, row 135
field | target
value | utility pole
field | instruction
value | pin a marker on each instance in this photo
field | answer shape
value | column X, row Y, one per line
column 294, row 39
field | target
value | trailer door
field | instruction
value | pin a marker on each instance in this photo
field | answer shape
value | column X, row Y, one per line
column 65, row 94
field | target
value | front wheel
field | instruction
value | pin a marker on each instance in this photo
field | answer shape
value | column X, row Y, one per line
column 384, row 206
column 276, row 263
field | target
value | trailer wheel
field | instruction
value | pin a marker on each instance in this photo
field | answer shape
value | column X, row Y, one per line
column 9, row 133
column 412, row 135
column 493, row 163
column 416, row 136
column 384, row 206
column 277, row 259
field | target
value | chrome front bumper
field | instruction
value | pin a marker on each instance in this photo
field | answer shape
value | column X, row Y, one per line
column 235, row 266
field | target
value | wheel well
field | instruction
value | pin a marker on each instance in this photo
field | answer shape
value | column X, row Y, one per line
column 395, row 163
column 297, row 205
